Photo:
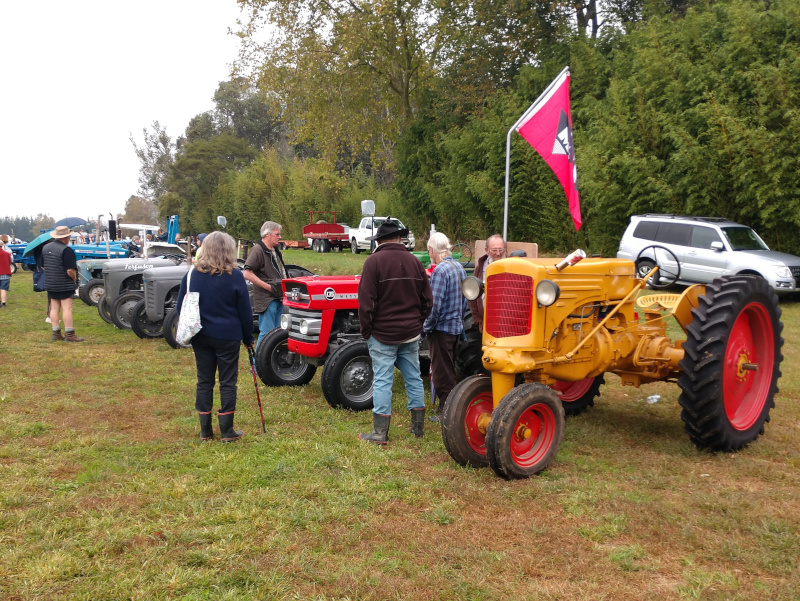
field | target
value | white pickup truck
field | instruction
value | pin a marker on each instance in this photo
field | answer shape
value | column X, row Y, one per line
column 359, row 235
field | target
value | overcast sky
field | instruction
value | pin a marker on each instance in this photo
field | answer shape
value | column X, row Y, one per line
column 78, row 78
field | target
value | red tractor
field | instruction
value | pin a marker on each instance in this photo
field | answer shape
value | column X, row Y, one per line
column 319, row 327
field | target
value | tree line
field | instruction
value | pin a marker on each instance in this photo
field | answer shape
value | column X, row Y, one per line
column 678, row 107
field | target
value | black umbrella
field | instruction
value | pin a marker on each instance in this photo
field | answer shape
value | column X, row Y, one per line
column 71, row 222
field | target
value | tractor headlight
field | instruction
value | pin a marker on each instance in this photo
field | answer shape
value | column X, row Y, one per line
column 471, row 288
column 547, row 292
column 304, row 326
column 286, row 321
column 310, row 326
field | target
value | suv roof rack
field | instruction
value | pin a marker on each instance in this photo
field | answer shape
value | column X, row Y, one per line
column 685, row 217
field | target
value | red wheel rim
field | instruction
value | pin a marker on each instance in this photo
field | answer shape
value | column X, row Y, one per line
column 751, row 344
column 533, row 435
column 479, row 406
column 572, row 391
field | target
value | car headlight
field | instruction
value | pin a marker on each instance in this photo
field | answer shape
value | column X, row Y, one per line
column 547, row 292
column 471, row 288
column 783, row 272
column 286, row 321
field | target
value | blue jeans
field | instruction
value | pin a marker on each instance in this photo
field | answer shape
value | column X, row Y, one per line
column 384, row 359
column 269, row 319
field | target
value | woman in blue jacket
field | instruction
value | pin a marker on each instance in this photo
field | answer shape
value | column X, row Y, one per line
column 227, row 320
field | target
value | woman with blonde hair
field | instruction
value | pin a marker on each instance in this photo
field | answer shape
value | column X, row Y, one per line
column 227, row 319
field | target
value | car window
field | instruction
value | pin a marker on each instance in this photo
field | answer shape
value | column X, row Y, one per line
column 674, row 233
column 646, row 230
column 702, row 237
column 743, row 238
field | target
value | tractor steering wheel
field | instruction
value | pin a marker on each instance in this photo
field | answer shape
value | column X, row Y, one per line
column 669, row 268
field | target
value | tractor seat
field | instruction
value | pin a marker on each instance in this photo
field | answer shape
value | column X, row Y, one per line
column 658, row 302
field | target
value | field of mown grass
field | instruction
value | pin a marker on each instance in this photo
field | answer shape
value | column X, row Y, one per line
column 106, row 492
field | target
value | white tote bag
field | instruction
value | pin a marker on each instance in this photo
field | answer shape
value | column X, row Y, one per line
column 189, row 320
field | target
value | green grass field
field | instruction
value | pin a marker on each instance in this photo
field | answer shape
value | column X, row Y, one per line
column 106, row 492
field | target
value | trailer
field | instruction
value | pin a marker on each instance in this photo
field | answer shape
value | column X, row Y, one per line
column 323, row 236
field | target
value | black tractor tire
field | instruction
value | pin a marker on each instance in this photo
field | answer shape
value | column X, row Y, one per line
column 171, row 328
column 27, row 267
column 276, row 366
column 731, row 363
column 469, row 353
column 141, row 324
column 122, row 308
column 525, row 432
column 577, row 397
column 104, row 310
column 469, row 407
column 13, row 268
column 347, row 377
column 354, row 247
column 92, row 290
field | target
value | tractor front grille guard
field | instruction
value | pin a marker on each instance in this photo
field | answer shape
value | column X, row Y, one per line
column 509, row 304
column 298, row 318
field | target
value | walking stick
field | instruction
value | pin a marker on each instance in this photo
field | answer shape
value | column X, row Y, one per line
column 258, row 396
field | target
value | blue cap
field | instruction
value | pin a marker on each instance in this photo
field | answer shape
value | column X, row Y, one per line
column 201, row 237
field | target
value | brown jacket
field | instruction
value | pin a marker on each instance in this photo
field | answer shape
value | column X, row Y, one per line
column 269, row 267
column 394, row 295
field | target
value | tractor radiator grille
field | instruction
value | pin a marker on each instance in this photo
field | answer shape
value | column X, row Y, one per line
column 296, row 316
column 150, row 296
column 509, row 300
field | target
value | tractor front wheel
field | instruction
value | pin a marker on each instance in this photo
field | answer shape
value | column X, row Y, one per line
column 577, row 397
column 347, row 377
column 465, row 418
column 525, row 431
column 141, row 324
column 276, row 366
column 91, row 291
column 104, row 310
column 731, row 364
column 171, row 329
column 122, row 308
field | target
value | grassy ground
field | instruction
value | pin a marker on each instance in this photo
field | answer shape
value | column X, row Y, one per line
column 106, row 492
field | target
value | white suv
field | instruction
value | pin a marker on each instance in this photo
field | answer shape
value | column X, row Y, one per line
column 706, row 248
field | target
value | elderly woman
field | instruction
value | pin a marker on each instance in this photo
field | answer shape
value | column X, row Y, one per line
column 227, row 320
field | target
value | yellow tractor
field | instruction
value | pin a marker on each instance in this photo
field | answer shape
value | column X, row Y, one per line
column 553, row 328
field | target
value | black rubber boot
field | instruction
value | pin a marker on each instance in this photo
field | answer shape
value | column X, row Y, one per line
column 226, row 431
column 380, row 429
column 206, row 432
column 417, row 422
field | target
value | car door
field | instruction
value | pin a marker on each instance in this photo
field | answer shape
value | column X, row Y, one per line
column 701, row 262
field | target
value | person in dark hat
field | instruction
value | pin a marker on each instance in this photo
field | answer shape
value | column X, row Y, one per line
column 60, row 281
column 394, row 298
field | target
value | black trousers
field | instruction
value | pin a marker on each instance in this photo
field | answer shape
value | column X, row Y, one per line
column 442, row 348
column 214, row 355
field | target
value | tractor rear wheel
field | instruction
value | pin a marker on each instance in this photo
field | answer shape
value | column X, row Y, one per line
column 464, row 419
column 104, row 310
column 577, row 397
column 731, row 364
column 347, row 377
column 141, row 324
column 171, row 328
column 525, row 431
column 276, row 366
column 122, row 308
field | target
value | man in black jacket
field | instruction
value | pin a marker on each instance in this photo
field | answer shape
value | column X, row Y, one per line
column 60, row 277
column 394, row 298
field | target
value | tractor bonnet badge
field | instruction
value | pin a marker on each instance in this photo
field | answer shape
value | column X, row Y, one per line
column 330, row 293
column 294, row 294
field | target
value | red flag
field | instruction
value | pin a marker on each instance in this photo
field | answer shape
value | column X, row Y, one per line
column 547, row 126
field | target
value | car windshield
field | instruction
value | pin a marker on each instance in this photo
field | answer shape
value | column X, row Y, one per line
column 743, row 238
column 379, row 222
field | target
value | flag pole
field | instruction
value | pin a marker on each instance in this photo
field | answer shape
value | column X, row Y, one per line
column 508, row 147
